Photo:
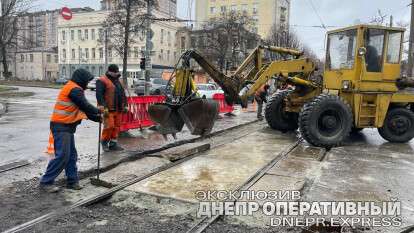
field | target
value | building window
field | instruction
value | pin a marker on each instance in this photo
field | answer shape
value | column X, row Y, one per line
column 162, row 36
column 223, row 9
column 93, row 53
column 244, row 8
column 136, row 52
column 73, row 53
column 86, row 53
column 213, row 10
column 233, row 8
column 64, row 53
column 100, row 52
column 109, row 52
column 64, row 72
column 161, row 56
column 21, row 58
column 93, row 34
column 255, row 8
column 63, row 35
column 168, row 55
column 48, row 58
column 31, row 57
column 56, row 59
column 169, row 38
column 86, row 34
column 72, row 34
column 129, row 52
column 79, row 34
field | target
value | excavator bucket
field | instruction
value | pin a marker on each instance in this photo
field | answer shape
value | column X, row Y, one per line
column 199, row 115
column 167, row 117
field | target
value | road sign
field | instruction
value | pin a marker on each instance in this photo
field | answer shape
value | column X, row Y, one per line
column 66, row 13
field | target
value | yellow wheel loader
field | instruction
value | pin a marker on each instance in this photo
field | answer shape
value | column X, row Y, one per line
column 361, row 88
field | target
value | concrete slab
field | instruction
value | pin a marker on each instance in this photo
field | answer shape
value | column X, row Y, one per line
column 128, row 171
column 305, row 151
column 222, row 168
column 180, row 152
column 320, row 192
column 295, row 167
column 278, row 183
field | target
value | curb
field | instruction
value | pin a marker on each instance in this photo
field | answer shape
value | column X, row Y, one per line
column 136, row 156
column 3, row 108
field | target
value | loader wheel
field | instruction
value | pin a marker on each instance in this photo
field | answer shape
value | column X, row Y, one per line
column 275, row 115
column 326, row 121
column 398, row 125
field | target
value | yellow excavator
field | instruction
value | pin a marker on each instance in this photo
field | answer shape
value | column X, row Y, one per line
column 361, row 88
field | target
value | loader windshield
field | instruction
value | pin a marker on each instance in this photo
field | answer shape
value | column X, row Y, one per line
column 341, row 50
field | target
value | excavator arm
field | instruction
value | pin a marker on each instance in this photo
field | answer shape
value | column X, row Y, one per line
column 184, row 107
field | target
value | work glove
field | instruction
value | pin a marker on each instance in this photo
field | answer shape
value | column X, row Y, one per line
column 106, row 113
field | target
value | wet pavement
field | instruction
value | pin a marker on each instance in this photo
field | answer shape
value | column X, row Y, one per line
column 366, row 168
column 25, row 130
column 222, row 168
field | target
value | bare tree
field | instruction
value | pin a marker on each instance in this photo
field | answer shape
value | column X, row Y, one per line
column 12, row 10
column 226, row 39
column 283, row 38
column 124, row 24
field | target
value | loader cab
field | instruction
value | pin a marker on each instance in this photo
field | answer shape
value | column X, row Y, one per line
column 363, row 58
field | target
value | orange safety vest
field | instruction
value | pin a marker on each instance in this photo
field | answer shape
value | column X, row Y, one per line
column 109, row 92
column 65, row 111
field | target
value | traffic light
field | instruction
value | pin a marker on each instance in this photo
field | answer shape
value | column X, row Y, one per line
column 142, row 64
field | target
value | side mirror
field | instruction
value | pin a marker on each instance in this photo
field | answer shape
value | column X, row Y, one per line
column 362, row 51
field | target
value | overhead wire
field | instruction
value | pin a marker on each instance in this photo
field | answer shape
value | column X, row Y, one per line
column 317, row 14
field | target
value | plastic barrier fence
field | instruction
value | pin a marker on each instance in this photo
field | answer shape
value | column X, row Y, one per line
column 224, row 107
column 137, row 116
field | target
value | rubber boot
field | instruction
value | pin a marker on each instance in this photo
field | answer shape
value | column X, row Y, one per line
column 105, row 146
column 113, row 146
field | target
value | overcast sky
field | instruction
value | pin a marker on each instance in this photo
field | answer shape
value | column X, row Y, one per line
column 303, row 17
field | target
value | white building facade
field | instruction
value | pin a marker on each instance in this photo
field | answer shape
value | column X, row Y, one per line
column 81, row 44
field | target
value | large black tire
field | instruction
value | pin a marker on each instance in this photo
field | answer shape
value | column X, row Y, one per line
column 275, row 115
column 326, row 121
column 398, row 125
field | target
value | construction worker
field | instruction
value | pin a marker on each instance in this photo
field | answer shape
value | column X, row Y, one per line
column 260, row 97
column 111, row 98
column 70, row 109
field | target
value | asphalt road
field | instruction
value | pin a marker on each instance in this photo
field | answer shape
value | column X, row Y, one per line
column 25, row 127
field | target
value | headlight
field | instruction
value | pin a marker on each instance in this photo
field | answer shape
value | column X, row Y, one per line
column 346, row 85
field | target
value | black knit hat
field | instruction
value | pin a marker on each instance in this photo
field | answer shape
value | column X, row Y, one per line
column 113, row 68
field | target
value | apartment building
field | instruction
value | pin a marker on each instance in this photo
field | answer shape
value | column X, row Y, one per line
column 81, row 44
column 265, row 13
column 38, row 64
column 167, row 7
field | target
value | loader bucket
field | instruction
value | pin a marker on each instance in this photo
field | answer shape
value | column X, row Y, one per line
column 199, row 115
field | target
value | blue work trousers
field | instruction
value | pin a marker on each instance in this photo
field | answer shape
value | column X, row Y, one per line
column 66, row 157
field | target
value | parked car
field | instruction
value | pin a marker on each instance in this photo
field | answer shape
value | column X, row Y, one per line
column 92, row 84
column 157, row 86
column 208, row 90
column 61, row 81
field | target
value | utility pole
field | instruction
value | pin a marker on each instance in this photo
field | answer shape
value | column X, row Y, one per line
column 106, row 48
column 411, row 46
column 391, row 21
column 148, row 48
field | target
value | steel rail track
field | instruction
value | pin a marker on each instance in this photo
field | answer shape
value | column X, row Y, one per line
column 205, row 222
column 108, row 193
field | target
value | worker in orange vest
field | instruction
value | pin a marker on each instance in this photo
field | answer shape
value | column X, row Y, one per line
column 261, row 97
column 111, row 98
column 70, row 109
